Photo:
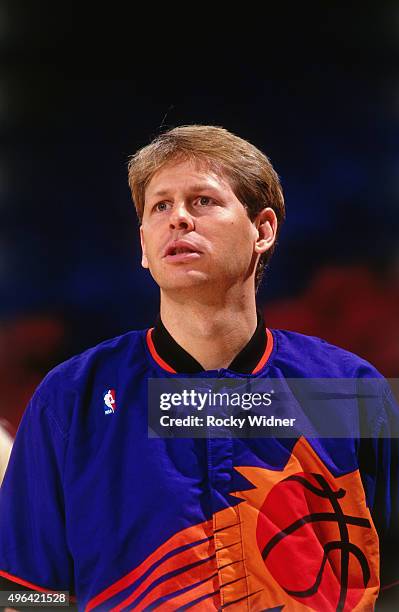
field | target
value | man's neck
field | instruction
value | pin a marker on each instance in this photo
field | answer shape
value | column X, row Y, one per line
column 213, row 332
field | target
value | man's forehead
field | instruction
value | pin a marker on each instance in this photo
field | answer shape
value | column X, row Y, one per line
column 192, row 175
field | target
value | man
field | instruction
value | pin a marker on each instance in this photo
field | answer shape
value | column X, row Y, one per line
column 92, row 505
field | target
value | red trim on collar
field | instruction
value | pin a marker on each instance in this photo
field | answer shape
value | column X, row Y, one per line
column 267, row 353
column 155, row 355
column 165, row 366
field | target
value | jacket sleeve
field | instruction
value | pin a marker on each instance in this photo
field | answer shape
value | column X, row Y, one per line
column 33, row 543
column 379, row 466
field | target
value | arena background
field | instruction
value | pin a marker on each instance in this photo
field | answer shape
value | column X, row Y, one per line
column 316, row 88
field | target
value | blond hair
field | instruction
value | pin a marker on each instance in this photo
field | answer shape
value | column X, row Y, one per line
column 249, row 172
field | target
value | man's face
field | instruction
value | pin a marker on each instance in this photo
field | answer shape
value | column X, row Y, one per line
column 196, row 231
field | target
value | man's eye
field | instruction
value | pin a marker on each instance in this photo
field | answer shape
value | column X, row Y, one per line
column 161, row 206
column 204, row 201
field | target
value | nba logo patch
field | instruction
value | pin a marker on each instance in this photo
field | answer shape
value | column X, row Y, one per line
column 109, row 401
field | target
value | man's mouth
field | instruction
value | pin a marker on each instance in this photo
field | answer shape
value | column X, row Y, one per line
column 180, row 252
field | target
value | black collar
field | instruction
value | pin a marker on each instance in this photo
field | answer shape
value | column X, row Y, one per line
column 181, row 361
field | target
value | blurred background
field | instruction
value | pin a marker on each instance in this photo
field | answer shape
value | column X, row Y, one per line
column 316, row 88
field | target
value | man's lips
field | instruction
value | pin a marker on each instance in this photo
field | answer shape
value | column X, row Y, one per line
column 181, row 250
column 182, row 257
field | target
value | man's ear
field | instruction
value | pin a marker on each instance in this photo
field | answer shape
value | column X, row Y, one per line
column 144, row 260
column 266, row 226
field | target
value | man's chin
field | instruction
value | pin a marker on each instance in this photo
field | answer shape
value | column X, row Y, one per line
column 183, row 280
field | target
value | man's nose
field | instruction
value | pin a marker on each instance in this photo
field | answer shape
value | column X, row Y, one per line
column 180, row 218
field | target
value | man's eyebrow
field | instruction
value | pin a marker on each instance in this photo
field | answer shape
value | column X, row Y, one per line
column 161, row 192
column 194, row 188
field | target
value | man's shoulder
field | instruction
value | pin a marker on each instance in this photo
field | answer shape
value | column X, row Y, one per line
column 69, row 388
column 311, row 356
column 121, row 352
